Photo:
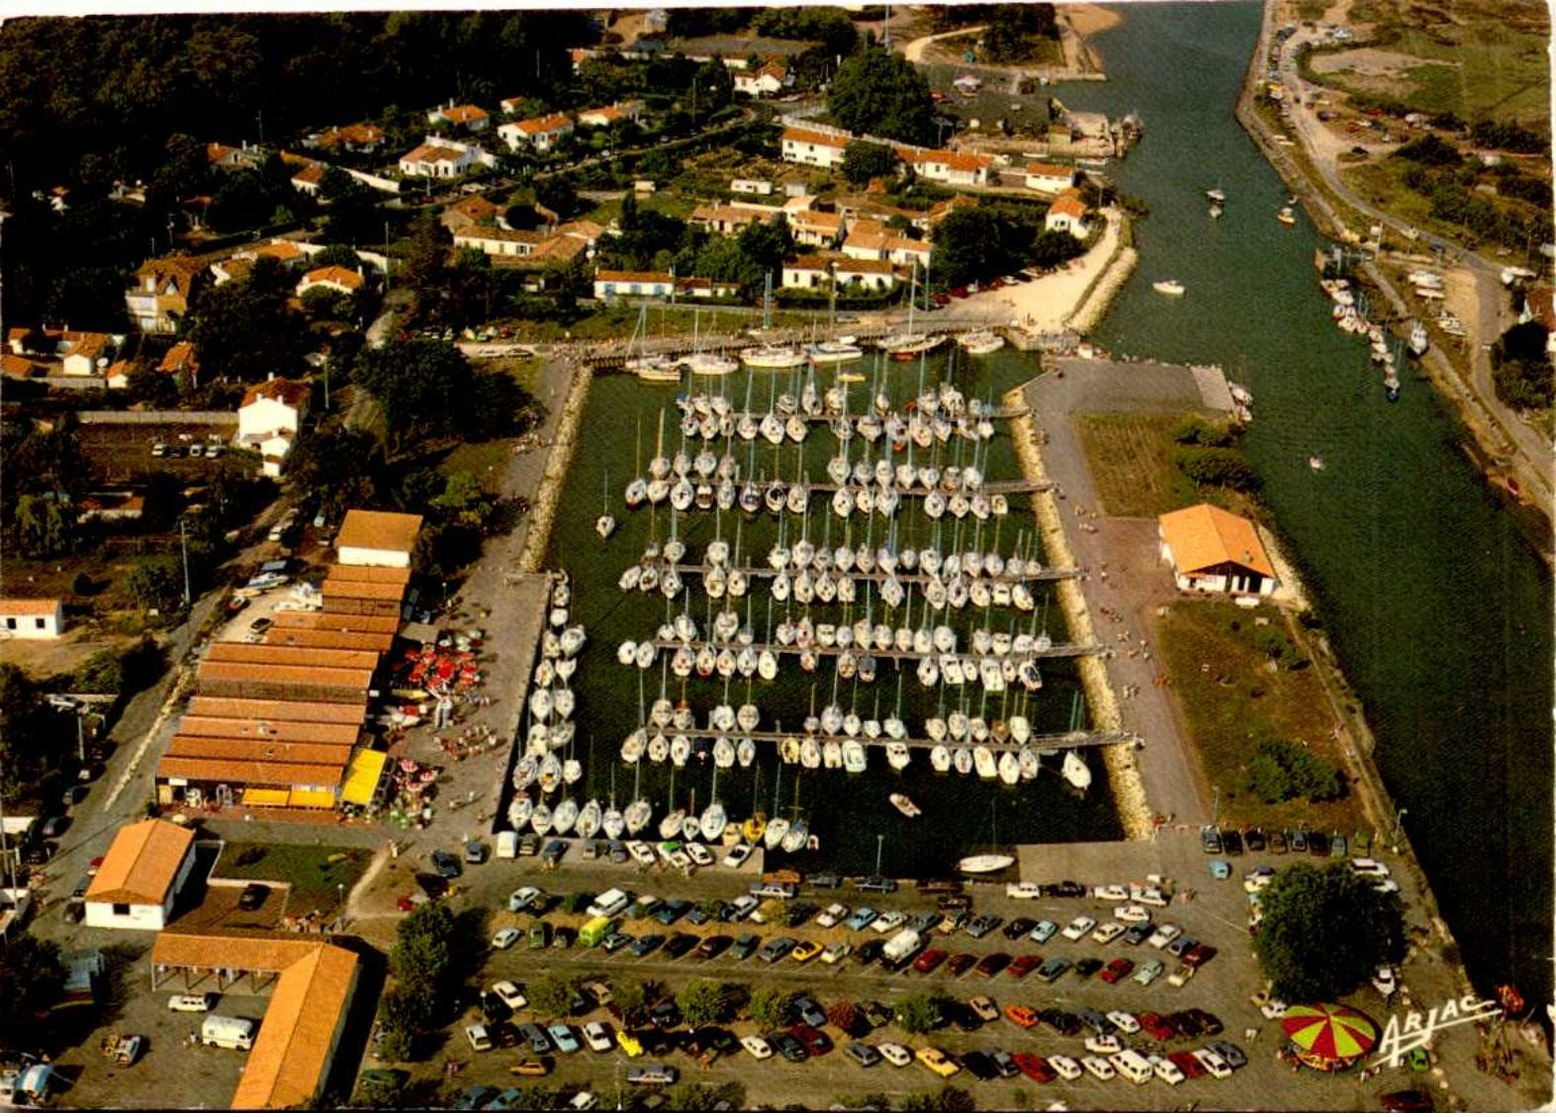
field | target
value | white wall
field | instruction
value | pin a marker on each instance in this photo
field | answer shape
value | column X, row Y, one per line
column 142, row 917
column 368, row 556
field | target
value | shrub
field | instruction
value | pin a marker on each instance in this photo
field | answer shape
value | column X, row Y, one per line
column 1217, row 466
column 1282, row 770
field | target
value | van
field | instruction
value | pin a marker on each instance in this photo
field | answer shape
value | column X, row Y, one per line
column 232, row 1032
column 610, row 903
column 192, row 1002
column 1132, row 1065
column 596, row 930
column 507, row 844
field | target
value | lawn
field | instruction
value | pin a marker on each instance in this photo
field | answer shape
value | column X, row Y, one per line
column 1130, row 458
column 1231, row 700
column 319, row 875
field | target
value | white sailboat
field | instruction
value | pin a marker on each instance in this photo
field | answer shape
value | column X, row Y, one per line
column 907, row 344
column 985, row 863
column 1076, row 771
column 606, row 524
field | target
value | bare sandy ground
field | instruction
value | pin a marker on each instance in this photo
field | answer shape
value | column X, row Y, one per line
column 1088, row 19
column 1045, row 305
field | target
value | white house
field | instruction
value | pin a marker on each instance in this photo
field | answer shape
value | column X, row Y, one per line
column 770, row 79
column 1049, row 178
column 615, row 284
column 377, row 538
column 496, row 241
column 269, row 419
column 1068, row 214
column 958, row 168
column 138, row 883
column 540, row 132
column 750, row 186
column 815, row 272
column 441, row 158
column 468, row 117
column 607, row 115
column 1212, row 551
column 84, row 353
column 29, row 618
column 812, row 148
column 813, row 227
column 334, row 277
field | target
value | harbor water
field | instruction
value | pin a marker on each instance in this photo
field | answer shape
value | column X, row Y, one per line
column 1437, row 607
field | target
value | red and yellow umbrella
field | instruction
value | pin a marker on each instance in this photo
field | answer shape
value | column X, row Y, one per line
column 1330, row 1031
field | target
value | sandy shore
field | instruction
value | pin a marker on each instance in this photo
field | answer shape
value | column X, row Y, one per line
column 1046, row 305
column 1089, row 19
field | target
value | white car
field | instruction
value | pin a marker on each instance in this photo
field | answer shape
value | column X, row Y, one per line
column 478, row 1038
column 1079, row 927
column 1129, row 914
column 832, row 915
column 1104, row 1045
column 598, row 1036
column 742, row 907
column 523, row 898
column 1164, row 935
column 1107, row 932
column 888, row 921
column 1066, row 1067
column 508, row 993
column 583, row 1101
column 1116, row 893
column 505, row 938
column 895, row 1054
column 1367, row 867
column 1025, row 890
column 1213, row 1063
column 1150, row 894
column 737, row 856
column 699, row 854
column 835, row 953
column 642, row 853
column 1165, row 1070
column 1124, row 1021
column 758, row 1047
column 1257, row 880
column 1099, row 1067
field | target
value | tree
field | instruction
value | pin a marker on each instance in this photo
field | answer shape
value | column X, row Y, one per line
column 843, row 1015
column 700, row 1097
column 711, row 88
column 863, row 161
column 882, row 94
column 916, row 1014
column 464, row 500
column 769, row 1008
column 976, row 243
column 558, row 194
column 157, row 583
column 1218, row 466
column 703, row 1002
column 44, row 527
column 1431, row 150
column 247, row 330
column 423, row 387
column 1014, row 30
column 550, row 995
column 405, row 1012
column 31, row 977
column 630, row 997
column 422, row 959
column 1325, row 931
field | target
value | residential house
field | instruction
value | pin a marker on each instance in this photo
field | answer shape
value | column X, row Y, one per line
column 221, row 156
column 621, row 284
column 496, row 241
column 1049, row 178
column 84, row 353
column 694, row 287
column 771, row 78
column 140, row 877
column 818, row 272
column 750, row 186
column 956, row 168
column 269, row 419
column 160, row 296
column 813, row 148
column 19, row 367
column 1067, row 214
column 377, row 538
column 730, row 220
column 510, row 106
column 539, row 132
column 180, row 361
column 814, row 228
column 334, row 277
column 471, row 210
column 308, row 176
column 27, row 618
column 468, row 117
column 361, row 138
column 1212, row 551
column 438, row 157
column 611, row 114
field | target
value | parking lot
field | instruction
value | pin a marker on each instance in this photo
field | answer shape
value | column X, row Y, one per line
column 125, row 451
column 1213, row 912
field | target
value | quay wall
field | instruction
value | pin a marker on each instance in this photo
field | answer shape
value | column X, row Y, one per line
column 1123, row 775
column 543, row 511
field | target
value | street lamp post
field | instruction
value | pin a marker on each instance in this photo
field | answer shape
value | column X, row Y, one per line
column 1399, row 818
column 1215, row 810
column 880, row 841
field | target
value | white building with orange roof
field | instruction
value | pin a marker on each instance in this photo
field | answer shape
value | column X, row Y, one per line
column 767, row 80
column 955, row 168
column 469, row 117
column 1068, row 214
column 31, row 618
column 814, row 148
column 607, row 115
column 334, row 277
column 1212, row 551
column 1049, row 178
column 438, row 157
column 138, row 883
column 541, row 133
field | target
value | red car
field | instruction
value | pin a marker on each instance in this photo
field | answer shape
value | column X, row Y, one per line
column 958, row 964
column 1116, row 970
column 814, row 1040
column 1155, row 1027
column 1036, row 1067
column 958, row 292
column 927, row 961
column 1198, row 955
column 1024, row 964
column 1187, row 1063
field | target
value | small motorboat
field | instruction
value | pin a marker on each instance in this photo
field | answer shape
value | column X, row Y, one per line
column 1168, row 287
column 904, row 804
column 1315, row 462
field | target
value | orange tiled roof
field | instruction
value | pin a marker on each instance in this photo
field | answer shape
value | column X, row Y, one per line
column 554, row 122
column 378, row 531
column 290, row 392
column 29, row 606
column 142, row 864
column 463, row 114
column 335, row 274
column 1205, row 536
column 179, row 358
column 820, row 139
column 431, row 153
column 632, row 276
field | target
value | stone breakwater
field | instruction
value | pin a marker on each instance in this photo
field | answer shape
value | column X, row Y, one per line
column 1123, row 776
column 543, row 510
column 1099, row 296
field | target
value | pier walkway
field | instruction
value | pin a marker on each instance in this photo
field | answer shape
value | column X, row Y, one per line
column 1052, row 651
column 1045, row 574
column 1078, row 739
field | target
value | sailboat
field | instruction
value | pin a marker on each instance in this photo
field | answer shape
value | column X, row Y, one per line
column 904, row 804
column 606, row 523
column 1075, row 770
column 980, row 343
column 706, row 364
column 987, row 862
column 908, row 344
column 644, row 365
column 713, row 819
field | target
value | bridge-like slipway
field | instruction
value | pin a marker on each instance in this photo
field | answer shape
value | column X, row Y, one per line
column 1044, row 574
column 1079, row 739
column 1052, row 651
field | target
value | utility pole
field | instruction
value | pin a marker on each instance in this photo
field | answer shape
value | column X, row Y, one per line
column 880, row 841
column 183, row 546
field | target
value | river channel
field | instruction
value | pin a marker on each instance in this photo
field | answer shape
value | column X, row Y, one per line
column 1438, row 609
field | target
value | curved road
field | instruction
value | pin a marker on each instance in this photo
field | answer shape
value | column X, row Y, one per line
column 1530, row 451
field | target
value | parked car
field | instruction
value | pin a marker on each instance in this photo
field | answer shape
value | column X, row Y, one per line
column 1079, row 928
column 1023, row 964
column 862, row 1053
column 1045, row 930
column 1116, row 970
column 1053, row 969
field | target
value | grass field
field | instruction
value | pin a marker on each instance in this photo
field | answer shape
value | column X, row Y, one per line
column 1232, row 700
column 1130, row 457
column 319, row 875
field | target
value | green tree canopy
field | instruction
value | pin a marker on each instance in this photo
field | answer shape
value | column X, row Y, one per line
column 863, row 161
column 31, row 979
column 43, row 526
column 246, row 329
column 982, row 242
column 1014, row 30
column 550, row 995
column 916, row 1013
column 884, row 95
column 424, row 387
column 704, row 1002
column 769, row 1008
column 422, row 959
column 1325, row 930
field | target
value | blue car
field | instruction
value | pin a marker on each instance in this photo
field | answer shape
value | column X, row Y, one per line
column 861, row 919
column 1220, row 870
